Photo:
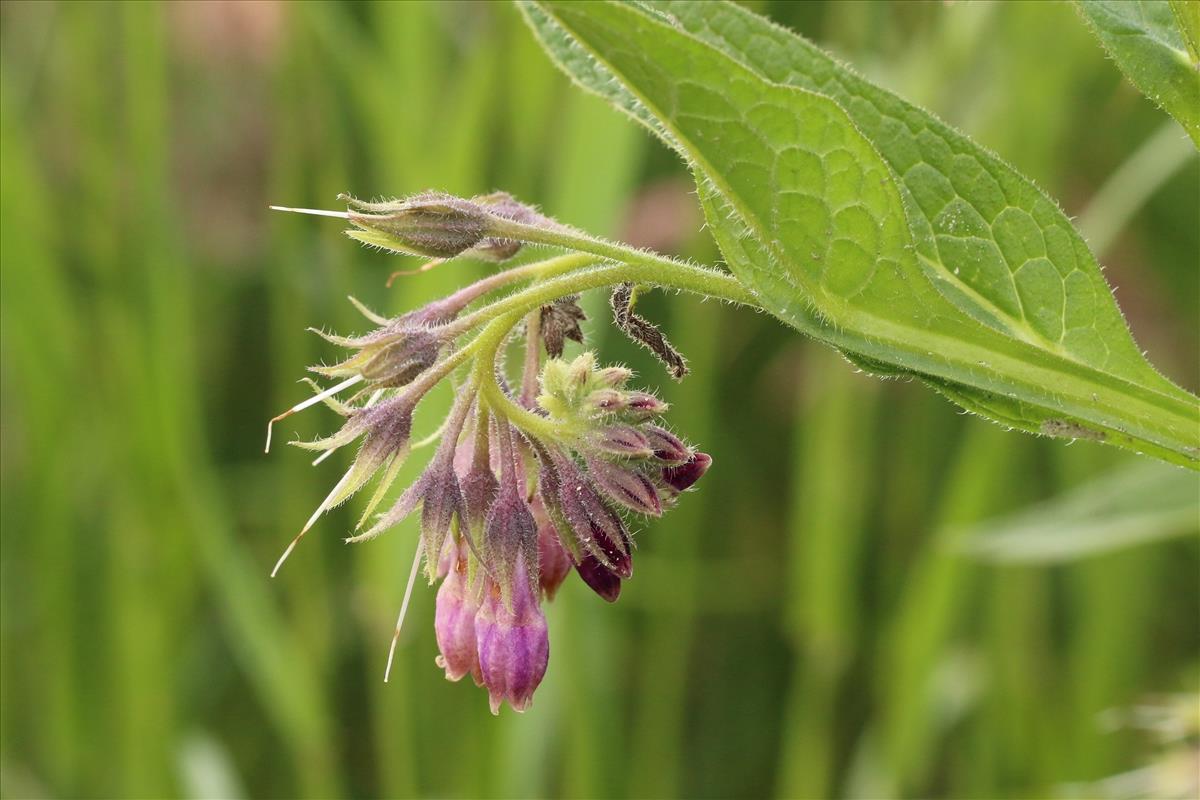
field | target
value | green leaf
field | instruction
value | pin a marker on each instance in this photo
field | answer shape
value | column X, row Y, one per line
column 868, row 224
column 1141, row 503
column 1156, row 43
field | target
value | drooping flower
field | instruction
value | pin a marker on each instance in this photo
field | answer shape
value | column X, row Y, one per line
column 523, row 487
column 454, row 618
column 513, row 641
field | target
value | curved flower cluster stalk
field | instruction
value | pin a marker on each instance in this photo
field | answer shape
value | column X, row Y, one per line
column 527, row 484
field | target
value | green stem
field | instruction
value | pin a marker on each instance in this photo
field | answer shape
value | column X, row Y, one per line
column 533, row 360
column 486, row 346
column 571, row 239
column 538, row 269
column 653, row 271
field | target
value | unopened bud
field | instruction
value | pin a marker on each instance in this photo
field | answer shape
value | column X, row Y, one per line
column 644, row 405
column 431, row 224
column 602, row 580
column 579, row 372
column 605, row 401
column 614, row 377
column 454, row 620
column 554, row 563
column 622, row 440
column 626, row 486
column 682, row 477
column 667, row 447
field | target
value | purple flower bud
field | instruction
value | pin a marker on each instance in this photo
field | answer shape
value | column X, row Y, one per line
column 644, row 405
column 605, row 401
column 512, row 642
column 441, row 503
column 510, row 540
column 385, row 429
column 454, row 620
column 622, row 440
column 503, row 204
column 388, row 357
column 589, row 522
column 602, row 580
column 479, row 488
column 429, row 224
column 626, row 486
column 613, row 377
column 510, row 533
column 683, row 476
column 667, row 447
column 554, row 562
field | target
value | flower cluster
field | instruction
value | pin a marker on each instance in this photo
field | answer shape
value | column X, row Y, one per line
column 524, row 486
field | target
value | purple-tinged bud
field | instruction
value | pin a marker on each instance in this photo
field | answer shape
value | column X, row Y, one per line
column 454, row 619
column 644, row 405
column 622, row 440
column 602, row 580
column 589, row 521
column 510, row 540
column 554, row 562
column 627, row 487
column 503, row 204
column 682, row 477
column 479, row 489
column 613, row 377
column 512, row 642
column 510, row 533
column 605, row 401
column 612, row 552
column 385, row 429
column 442, row 502
column 390, row 356
column 667, row 447
column 429, row 224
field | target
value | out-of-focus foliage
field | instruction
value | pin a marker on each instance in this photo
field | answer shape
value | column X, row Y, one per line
column 805, row 625
column 1143, row 502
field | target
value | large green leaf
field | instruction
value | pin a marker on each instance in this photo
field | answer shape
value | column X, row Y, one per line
column 868, row 224
column 1156, row 43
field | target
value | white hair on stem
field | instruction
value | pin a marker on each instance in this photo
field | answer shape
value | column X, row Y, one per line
column 412, row 579
column 320, row 510
column 330, row 392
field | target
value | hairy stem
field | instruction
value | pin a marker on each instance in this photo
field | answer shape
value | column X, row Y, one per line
column 486, row 347
column 538, row 269
column 529, row 375
column 665, row 274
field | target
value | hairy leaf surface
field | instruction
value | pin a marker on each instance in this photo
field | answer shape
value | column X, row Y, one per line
column 1156, row 43
column 868, row 224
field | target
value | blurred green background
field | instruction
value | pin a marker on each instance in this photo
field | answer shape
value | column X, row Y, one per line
column 804, row 626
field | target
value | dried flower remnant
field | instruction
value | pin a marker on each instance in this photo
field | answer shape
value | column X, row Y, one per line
column 527, row 484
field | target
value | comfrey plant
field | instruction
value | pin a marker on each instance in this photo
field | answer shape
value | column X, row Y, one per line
column 844, row 211
column 531, row 481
